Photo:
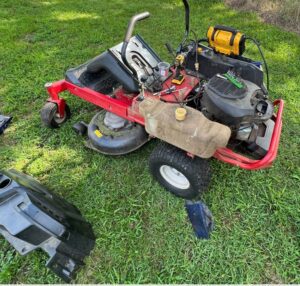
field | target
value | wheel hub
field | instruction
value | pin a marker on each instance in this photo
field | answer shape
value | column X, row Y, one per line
column 58, row 119
column 174, row 177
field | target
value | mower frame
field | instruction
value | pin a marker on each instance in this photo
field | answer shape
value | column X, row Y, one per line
column 123, row 105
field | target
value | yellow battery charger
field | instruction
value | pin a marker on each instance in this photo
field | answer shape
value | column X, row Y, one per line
column 226, row 40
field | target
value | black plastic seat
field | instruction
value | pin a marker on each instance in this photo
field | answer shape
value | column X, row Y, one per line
column 101, row 74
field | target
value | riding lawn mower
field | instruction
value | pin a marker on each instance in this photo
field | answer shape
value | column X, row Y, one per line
column 211, row 102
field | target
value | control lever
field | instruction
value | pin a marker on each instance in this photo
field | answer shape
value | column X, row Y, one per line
column 170, row 49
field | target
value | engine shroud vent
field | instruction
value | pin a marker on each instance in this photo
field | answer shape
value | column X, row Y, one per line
column 223, row 88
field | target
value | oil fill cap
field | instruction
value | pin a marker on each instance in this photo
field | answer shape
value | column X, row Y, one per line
column 180, row 113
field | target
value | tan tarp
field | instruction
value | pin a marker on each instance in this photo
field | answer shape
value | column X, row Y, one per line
column 196, row 134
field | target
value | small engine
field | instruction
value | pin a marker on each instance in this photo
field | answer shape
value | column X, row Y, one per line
column 242, row 106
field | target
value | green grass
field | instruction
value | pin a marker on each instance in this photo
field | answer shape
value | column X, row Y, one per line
column 143, row 234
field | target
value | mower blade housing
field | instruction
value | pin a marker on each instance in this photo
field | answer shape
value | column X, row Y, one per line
column 32, row 217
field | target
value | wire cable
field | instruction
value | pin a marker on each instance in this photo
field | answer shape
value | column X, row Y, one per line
column 263, row 57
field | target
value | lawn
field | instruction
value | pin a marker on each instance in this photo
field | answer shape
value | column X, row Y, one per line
column 143, row 235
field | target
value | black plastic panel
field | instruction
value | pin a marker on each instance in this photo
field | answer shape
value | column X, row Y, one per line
column 212, row 63
column 32, row 217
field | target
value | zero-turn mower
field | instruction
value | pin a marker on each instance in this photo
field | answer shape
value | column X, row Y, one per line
column 212, row 102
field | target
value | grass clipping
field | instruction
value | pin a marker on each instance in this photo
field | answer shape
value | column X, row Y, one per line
column 284, row 13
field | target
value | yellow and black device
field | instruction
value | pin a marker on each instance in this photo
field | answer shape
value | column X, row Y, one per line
column 226, row 40
column 179, row 61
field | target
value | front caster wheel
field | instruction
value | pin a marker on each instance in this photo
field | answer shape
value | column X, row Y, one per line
column 50, row 116
column 181, row 175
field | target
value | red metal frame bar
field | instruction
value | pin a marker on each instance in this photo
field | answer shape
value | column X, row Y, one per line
column 121, row 106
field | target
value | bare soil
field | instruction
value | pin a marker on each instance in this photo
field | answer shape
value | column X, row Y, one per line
column 284, row 13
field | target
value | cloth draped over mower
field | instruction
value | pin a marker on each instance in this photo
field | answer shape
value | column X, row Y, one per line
column 228, row 112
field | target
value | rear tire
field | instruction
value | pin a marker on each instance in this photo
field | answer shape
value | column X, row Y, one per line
column 50, row 116
column 178, row 173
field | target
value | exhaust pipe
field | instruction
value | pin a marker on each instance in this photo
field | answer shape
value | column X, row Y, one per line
column 128, row 35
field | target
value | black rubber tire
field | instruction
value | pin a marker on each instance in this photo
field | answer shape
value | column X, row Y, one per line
column 48, row 115
column 196, row 170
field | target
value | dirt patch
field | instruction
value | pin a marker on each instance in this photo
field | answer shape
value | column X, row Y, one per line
column 30, row 38
column 284, row 13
